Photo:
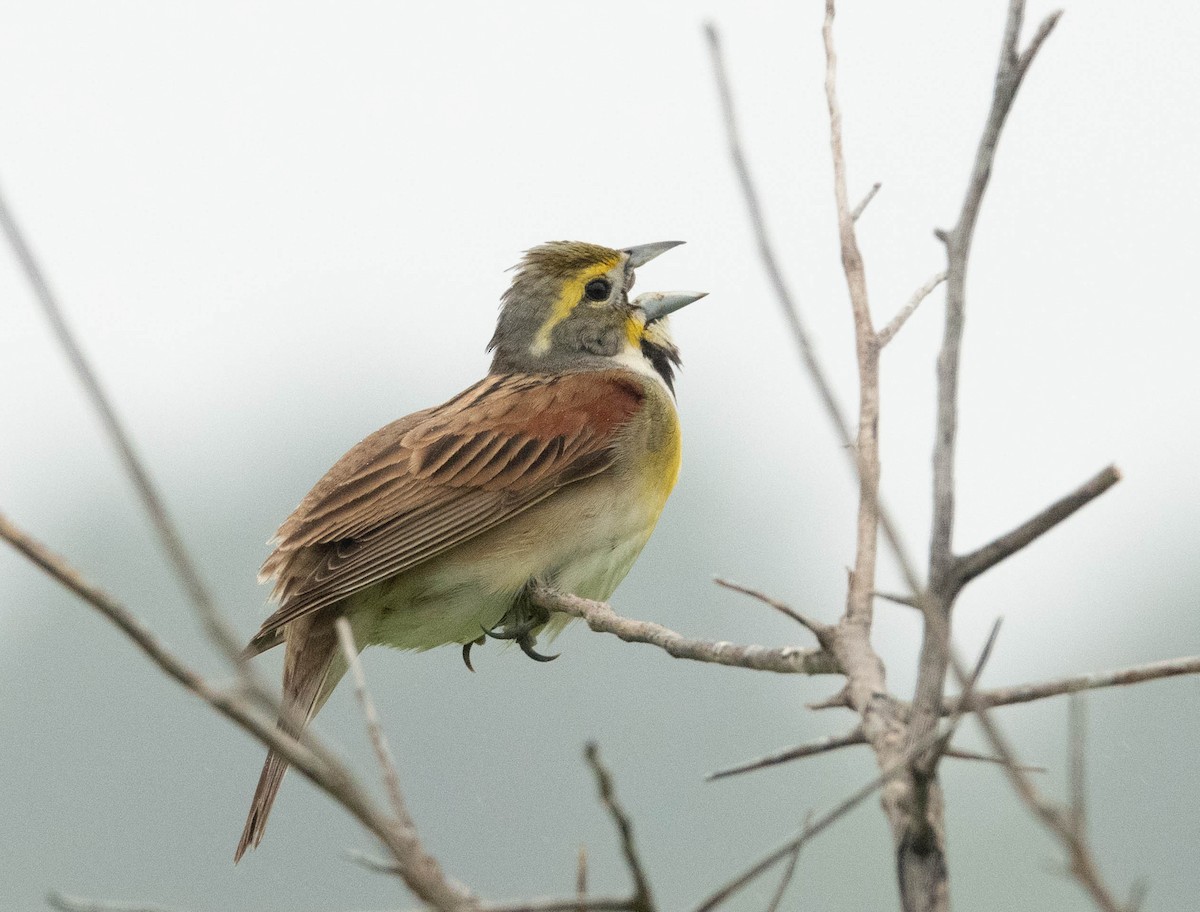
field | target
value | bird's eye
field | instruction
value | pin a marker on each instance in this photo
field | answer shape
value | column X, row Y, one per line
column 597, row 289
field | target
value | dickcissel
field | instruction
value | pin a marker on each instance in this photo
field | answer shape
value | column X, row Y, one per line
column 553, row 469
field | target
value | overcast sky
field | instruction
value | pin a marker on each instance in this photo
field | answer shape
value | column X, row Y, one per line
column 277, row 226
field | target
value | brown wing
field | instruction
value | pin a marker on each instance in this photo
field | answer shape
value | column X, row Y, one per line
column 437, row 478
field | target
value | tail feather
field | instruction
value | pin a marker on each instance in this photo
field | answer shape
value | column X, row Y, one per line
column 264, row 796
column 311, row 669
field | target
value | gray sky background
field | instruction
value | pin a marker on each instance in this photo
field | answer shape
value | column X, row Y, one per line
column 278, row 226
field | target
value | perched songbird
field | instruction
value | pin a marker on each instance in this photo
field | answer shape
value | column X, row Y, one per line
column 553, row 470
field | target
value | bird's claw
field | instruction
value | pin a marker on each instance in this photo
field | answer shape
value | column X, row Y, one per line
column 527, row 643
column 466, row 651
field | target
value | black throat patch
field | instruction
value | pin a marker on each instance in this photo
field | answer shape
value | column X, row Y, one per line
column 664, row 360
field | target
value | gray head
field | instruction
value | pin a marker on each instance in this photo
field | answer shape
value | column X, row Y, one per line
column 568, row 308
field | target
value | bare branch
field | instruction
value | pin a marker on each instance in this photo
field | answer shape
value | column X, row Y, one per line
column 838, row 700
column 789, row 869
column 1077, row 735
column 602, row 619
column 955, row 753
column 909, row 601
column 821, row 631
column 420, row 871
column 1035, row 43
column 889, row 332
column 383, row 753
column 1027, row 693
column 595, row 904
column 810, row 831
column 788, row 304
column 1060, row 823
column 812, row 748
column 581, row 877
column 969, row 566
column 218, row 627
column 642, row 900
column 958, row 242
column 371, row 863
column 65, row 903
column 858, row 210
column 930, row 763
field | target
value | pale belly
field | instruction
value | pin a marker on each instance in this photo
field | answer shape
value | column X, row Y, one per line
column 582, row 540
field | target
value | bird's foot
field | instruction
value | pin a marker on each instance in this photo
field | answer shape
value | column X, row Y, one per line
column 518, row 624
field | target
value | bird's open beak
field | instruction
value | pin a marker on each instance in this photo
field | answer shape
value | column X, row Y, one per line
column 644, row 253
column 657, row 304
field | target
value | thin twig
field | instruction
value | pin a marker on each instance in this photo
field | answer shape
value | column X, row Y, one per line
column 787, row 302
column 1010, row 72
column 1076, row 738
column 1083, row 865
column 929, row 763
column 908, row 601
column 66, row 903
column 218, row 627
column 595, row 904
column 858, row 210
column 836, row 742
column 889, row 332
column 372, row 863
column 789, row 869
column 581, row 877
column 642, row 899
column 969, row 566
column 816, row 628
column 954, row 753
column 1041, row 690
column 420, row 871
column 383, row 753
column 601, row 618
column 920, row 865
column 812, row 748
column 830, row 817
column 944, row 573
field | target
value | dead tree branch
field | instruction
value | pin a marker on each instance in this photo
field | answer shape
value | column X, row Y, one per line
column 858, row 210
column 383, row 753
column 889, row 332
column 642, row 900
column 602, row 619
column 66, row 903
column 1041, row 690
column 218, row 627
column 787, row 302
column 969, row 566
column 420, row 871
column 1062, row 823
column 811, row 749
column 821, row 631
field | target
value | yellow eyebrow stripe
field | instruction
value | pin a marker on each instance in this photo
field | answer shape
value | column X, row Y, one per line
column 572, row 294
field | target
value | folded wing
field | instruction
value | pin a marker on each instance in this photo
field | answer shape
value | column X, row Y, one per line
column 437, row 478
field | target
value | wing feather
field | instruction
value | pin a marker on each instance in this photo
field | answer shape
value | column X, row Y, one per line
column 437, row 478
